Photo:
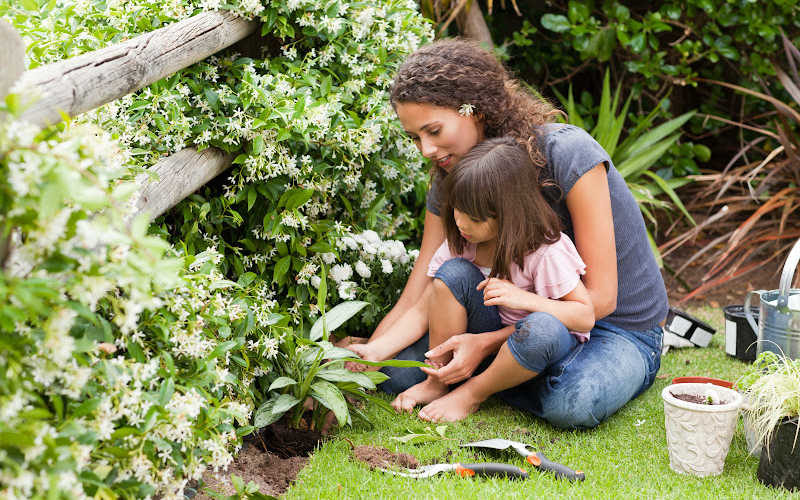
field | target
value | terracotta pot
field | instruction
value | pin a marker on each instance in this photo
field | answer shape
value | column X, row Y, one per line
column 702, row 380
column 699, row 435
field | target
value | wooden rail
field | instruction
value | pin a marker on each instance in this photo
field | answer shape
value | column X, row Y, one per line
column 179, row 176
column 82, row 83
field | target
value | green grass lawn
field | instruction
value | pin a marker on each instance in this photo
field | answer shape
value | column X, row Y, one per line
column 625, row 457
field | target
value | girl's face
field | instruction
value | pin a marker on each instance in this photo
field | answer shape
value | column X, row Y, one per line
column 441, row 134
column 474, row 230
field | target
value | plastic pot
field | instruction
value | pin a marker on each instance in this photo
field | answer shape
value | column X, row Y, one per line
column 779, row 461
column 740, row 339
column 699, row 435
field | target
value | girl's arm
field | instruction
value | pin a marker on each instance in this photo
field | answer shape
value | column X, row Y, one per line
column 574, row 309
column 589, row 205
column 418, row 281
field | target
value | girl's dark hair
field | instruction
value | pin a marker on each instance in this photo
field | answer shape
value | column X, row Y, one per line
column 496, row 179
column 454, row 72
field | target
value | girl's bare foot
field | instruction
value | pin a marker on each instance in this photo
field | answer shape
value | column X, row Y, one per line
column 426, row 391
column 451, row 407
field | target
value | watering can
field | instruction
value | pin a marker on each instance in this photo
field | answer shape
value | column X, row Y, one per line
column 779, row 313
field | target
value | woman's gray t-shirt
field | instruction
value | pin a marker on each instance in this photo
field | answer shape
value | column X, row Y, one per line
column 571, row 152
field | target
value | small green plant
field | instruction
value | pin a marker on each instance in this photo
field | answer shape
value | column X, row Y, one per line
column 313, row 369
column 772, row 389
column 247, row 491
column 635, row 156
column 417, row 435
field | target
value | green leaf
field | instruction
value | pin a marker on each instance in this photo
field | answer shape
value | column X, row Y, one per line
column 297, row 197
column 281, row 268
column 331, row 398
column 166, row 391
column 281, row 382
column 223, row 348
column 251, row 197
column 556, row 22
column 342, row 375
column 671, row 193
column 264, row 415
column 647, row 140
column 334, row 318
column 284, row 403
column 637, row 164
column 399, row 363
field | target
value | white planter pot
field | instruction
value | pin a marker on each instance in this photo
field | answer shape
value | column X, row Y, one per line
column 699, row 435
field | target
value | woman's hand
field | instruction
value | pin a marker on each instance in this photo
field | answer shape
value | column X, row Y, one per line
column 365, row 352
column 468, row 350
column 499, row 292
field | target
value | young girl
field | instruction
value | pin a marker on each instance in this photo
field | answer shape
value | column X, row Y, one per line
column 504, row 266
column 449, row 96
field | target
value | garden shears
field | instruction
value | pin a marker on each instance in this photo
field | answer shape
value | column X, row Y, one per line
column 486, row 469
column 537, row 459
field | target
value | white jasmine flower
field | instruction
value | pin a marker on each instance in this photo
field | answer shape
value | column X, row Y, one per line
column 341, row 272
column 362, row 269
column 466, row 110
column 328, row 257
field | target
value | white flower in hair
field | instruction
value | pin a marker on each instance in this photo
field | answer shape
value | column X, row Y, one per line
column 466, row 110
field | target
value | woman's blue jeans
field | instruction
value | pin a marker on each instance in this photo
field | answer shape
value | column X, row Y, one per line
column 578, row 386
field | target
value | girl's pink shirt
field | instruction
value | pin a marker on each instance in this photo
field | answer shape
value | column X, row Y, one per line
column 552, row 271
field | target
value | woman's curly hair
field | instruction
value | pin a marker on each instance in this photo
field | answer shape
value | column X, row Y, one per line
column 453, row 72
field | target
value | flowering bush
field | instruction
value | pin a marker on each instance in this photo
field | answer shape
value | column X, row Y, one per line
column 127, row 366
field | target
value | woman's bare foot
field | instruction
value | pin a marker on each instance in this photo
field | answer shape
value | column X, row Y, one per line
column 426, row 391
column 451, row 407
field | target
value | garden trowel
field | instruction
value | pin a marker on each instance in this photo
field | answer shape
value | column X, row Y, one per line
column 537, row 459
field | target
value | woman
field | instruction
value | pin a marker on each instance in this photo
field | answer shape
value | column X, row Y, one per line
column 449, row 96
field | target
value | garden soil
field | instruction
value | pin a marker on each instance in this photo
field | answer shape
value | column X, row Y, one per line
column 271, row 473
column 379, row 458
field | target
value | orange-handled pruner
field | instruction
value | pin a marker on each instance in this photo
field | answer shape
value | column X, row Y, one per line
column 537, row 459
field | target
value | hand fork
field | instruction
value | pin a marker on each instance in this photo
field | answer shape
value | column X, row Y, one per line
column 486, row 469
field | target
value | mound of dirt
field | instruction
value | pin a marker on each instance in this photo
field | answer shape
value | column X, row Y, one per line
column 381, row 457
column 271, row 473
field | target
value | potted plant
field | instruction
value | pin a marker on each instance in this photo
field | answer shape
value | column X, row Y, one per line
column 772, row 392
column 700, row 420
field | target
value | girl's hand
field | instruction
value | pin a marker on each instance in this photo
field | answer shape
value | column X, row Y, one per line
column 498, row 292
column 467, row 350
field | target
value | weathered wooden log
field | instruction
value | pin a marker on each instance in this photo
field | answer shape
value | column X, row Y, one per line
column 472, row 25
column 12, row 62
column 83, row 83
column 12, row 57
column 179, row 176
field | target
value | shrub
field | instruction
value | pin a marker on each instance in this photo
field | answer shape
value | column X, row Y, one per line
column 130, row 365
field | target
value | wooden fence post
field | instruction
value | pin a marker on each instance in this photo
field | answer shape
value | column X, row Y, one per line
column 12, row 65
column 472, row 25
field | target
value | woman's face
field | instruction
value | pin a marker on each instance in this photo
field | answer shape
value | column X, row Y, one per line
column 441, row 134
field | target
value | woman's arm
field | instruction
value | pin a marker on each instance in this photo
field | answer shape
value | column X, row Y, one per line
column 574, row 309
column 589, row 205
column 418, row 281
